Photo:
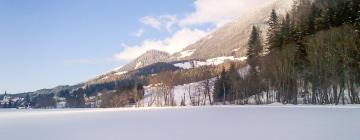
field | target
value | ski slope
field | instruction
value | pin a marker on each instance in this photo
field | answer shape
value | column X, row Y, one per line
column 191, row 123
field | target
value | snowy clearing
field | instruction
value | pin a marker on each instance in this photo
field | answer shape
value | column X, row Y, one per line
column 186, row 53
column 152, row 97
column 121, row 73
column 208, row 62
column 202, row 123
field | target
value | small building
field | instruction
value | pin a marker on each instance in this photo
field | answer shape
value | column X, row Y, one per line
column 60, row 102
column 6, row 98
column 22, row 107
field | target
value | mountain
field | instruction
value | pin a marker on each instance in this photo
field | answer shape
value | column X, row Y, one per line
column 232, row 38
column 229, row 40
column 148, row 58
column 55, row 90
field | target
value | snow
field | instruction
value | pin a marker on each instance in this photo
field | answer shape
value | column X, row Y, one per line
column 208, row 62
column 121, row 73
column 184, row 65
column 219, row 60
column 118, row 68
column 244, row 71
column 104, row 78
column 189, row 123
column 61, row 104
column 186, row 53
column 138, row 65
column 276, row 104
column 241, row 58
column 235, row 50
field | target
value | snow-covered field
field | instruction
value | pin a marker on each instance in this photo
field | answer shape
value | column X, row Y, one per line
column 203, row 123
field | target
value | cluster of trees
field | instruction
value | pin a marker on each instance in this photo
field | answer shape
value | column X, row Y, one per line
column 43, row 101
column 313, row 53
column 37, row 101
column 9, row 104
column 123, row 97
column 164, row 94
column 164, row 85
column 74, row 99
column 128, row 93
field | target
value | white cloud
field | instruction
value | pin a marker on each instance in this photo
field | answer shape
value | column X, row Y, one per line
column 168, row 21
column 218, row 12
column 161, row 22
column 151, row 21
column 175, row 43
column 138, row 33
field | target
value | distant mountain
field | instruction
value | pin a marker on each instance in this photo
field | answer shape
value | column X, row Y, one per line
column 55, row 90
column 148, row 58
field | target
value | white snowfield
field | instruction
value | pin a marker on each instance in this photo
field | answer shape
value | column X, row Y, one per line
column 191, row 123
column 208, row 62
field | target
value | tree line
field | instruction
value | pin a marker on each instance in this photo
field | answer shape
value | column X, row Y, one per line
column 311, row 55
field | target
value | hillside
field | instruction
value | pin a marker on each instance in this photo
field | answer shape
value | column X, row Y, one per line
column 232, row 38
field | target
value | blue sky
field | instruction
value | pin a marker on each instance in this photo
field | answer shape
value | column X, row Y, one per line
column 45, row 43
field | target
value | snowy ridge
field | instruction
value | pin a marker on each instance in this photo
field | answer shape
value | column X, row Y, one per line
column 118, row 68
column 138, row 65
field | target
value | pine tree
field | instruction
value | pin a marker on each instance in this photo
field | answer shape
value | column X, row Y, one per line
column 355, row 8
column 234, row 78
column 273, row 30
column 254, row 55
column 314, row 14
column 357, row 22
column 75, row 99
column 301, row 12
column 286, row 29
column 323, row 22
column 220, row 87
column 254, row 48
column 27, row 100
column 343, row 12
